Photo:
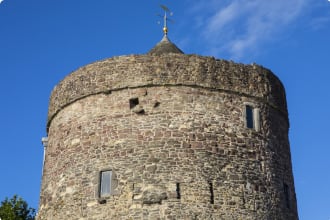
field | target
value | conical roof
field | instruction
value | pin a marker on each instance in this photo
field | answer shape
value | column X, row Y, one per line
column 165, row 46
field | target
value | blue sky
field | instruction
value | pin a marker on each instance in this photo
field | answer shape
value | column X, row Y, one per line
column 41, row 41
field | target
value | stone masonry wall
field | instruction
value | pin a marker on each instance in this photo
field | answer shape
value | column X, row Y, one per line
column 182, row 152
column 168, row 69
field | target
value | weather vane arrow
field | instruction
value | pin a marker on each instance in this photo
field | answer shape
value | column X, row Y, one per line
column 166, row 11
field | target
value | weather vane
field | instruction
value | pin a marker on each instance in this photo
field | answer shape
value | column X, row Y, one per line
column 166, row 11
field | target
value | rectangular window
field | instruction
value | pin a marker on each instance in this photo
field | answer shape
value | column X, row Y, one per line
column 249, row 116
column 252, row 117
column 105, row 183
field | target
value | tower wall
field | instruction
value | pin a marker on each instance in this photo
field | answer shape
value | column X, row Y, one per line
column 172, row 130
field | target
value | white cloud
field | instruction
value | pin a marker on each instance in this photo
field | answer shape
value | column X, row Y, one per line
column 1, row 1
column 238, row 27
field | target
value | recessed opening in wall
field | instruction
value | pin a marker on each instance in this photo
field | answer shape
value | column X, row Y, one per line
column 211, row 193
column 133, row 102
column 249, row 116
column 178, row 193
column 140, row 112
column 252, row 117
column 286, row 195
column 105, row 183
column 156, row 104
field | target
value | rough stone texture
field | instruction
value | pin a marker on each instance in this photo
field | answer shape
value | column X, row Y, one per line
column 188, row 129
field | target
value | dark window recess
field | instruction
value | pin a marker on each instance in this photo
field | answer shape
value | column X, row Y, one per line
column 286, row 195
column 211, row 193
column 178, row 193
column 249, row 116
column 105, row 183
column 133, row 102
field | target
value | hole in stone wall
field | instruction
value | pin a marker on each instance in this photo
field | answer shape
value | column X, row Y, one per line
column 211, row 193
column 102, row 201
column 133, row 102
column 156, row 104
column 107, row 92
column 178, row 193
column 140, row 112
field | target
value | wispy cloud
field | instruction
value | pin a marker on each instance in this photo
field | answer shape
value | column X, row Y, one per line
column 240, row 27
column 320, row 17
column 320, row 22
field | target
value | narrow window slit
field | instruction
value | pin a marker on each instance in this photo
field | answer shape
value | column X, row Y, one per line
column 249, row 116
column 286, row 195
column 178, row 193
column 211, row 193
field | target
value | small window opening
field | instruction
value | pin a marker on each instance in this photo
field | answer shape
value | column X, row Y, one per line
column 252, row 117
column 249, row 116
column 286, row 195
column 178, row 193
column 211, row 193
column 133, row 102
column 105, row 183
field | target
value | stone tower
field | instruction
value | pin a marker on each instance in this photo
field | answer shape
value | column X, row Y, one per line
column 167, row 135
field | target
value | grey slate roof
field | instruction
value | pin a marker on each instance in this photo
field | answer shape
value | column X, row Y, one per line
column 165, row 46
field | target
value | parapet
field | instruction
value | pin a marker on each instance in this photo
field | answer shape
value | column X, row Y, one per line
column 169, row 69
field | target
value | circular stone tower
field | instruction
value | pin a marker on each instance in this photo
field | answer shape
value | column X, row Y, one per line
column 168, row 136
